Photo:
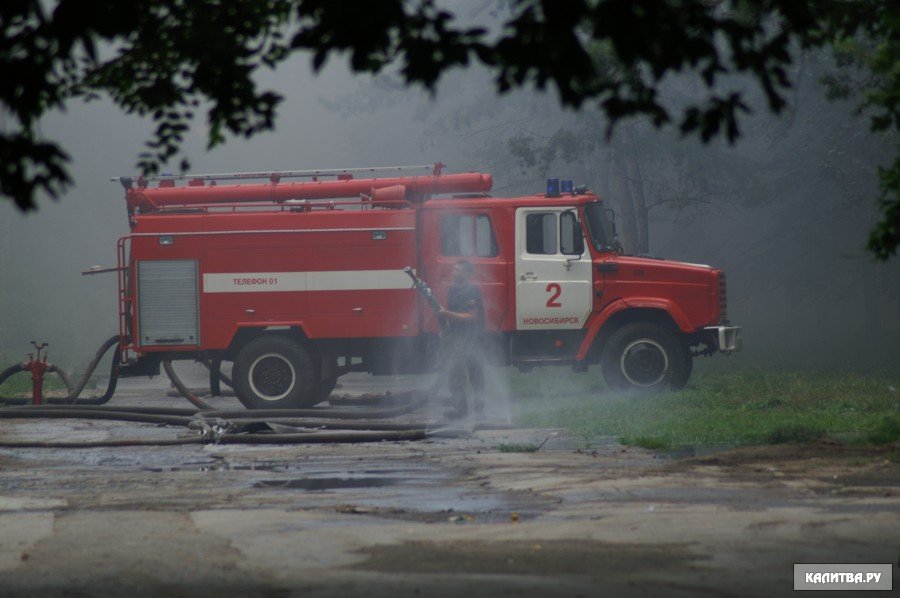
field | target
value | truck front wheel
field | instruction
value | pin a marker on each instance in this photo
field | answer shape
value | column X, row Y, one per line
column 275, row 372
column 645, row 356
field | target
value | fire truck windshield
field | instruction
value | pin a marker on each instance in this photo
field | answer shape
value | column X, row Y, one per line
column 601, row 227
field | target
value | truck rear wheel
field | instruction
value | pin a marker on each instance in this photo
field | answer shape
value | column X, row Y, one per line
column 644, row 356
column 275, row 372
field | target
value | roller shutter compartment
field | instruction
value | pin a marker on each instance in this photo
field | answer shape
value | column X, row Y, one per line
column 167, row 302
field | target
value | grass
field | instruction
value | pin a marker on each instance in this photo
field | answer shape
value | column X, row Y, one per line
column 726, row 404
column 648, row 442
column 19, row 385
column 887, row 430
column 517, row 448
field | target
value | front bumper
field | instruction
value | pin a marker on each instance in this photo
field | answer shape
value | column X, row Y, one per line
column 726, row 338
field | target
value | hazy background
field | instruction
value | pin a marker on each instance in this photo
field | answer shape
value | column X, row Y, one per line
column 785, row 212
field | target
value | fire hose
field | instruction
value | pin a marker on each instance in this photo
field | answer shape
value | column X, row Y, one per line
column 212, row 427
column 72, row 396
column 241, row 428
column 228, row 426
column 182, row 389
column 220, row 426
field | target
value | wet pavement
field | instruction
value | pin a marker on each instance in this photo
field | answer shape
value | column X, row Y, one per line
column 444, row 516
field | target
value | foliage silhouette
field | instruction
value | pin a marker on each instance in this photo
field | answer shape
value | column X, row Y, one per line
column 170, row 58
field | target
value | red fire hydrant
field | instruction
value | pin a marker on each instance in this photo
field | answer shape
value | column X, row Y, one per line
column 37, row 366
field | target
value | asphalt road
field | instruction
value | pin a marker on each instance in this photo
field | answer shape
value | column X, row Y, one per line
column 444, row 516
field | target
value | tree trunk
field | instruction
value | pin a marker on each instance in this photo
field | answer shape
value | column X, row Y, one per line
column 5, row 268
column 871, row 305
column 621, row 197
column 634, row 177
column 610, row 191
column 627, row 185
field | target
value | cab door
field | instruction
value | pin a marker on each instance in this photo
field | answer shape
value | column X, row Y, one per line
column 468, row 232
column 553, row 270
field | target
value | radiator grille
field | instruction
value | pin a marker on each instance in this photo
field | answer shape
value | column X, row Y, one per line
column 723, row 298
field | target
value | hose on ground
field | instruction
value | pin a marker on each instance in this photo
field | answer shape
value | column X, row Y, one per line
column 185, row 411
column 318, row 425
column 300, row 438
column 313, row 425
column 182, row 389
column 352, row 413
column 216, row 430
column 24, row 444
column 314, row 415
column 220, row 431
column 140, row 416
column 169, row 420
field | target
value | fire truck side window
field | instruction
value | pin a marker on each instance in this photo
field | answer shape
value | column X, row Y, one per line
column 467, row 235
column 540, row 234
column 485, row 243
column 450, row 241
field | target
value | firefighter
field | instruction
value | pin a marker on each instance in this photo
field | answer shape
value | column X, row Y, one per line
column 461, row 336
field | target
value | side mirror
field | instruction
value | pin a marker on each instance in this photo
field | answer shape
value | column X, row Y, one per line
column 571, row 237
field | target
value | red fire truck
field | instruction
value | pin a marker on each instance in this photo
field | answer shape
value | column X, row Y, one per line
column 297, row 283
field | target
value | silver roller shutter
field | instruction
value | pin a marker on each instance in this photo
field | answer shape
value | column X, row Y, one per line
column 167, row 302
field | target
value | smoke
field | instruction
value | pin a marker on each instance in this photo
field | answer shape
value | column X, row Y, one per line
column 785, row 212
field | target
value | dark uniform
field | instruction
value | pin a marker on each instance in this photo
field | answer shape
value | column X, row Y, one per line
column 463, row 344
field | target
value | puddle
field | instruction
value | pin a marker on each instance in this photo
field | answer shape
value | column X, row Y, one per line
column 395, row 490
column 323, row 484
column 258, row 467
column 217, row 466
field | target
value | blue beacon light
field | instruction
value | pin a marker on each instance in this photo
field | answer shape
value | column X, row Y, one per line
column 566, row 187
column 552, row 187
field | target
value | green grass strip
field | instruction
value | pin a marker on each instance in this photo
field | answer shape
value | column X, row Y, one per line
column 738, row 406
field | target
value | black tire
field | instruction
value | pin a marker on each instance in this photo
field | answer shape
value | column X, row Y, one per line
column 326, row 387
column 275, row 372
column 679, row 381
column 644, row 356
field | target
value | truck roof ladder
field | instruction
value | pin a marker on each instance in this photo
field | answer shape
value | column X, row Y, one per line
column 276, row 175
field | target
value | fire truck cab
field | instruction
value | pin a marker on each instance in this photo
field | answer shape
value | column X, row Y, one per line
column 299, row 283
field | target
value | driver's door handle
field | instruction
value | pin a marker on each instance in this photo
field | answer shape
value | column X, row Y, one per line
column 528, row 276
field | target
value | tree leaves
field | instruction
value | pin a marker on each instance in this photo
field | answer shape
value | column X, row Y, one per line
column 173, row 56
column 28, row 166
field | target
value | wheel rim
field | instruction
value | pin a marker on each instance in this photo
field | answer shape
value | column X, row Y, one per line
column 272, row 377
column 644, row 362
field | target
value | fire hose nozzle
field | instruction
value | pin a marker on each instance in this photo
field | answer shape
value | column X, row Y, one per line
column 424, row 290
